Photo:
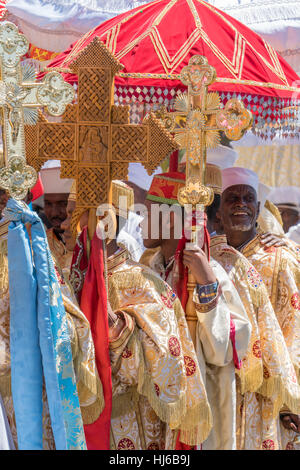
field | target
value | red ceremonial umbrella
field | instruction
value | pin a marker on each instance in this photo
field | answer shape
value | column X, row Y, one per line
column 156, row 41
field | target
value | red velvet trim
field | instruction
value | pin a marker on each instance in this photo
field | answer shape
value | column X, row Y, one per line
column 237, row 362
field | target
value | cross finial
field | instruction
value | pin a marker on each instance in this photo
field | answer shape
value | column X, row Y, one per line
column 20, row 96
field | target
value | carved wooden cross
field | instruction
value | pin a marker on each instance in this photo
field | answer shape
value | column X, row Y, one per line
column 20, row 96
column 95, row 141
column 197, row 123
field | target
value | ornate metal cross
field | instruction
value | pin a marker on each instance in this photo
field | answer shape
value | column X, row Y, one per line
column 20, row 96
column 197, row 123
column 95, row 141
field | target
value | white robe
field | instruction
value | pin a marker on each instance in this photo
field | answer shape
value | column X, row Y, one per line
column 215, row 354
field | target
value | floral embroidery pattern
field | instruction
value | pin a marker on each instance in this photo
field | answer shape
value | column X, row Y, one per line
column 268, row 444
column 174, row 346
column 169, row 298
column 256, row 349
column 126, row 353
column 254, row 278
column 153, row 446
column 125, row 444
column 190, row 366
column 295, row 301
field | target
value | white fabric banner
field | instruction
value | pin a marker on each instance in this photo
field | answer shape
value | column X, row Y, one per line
column 55, row 24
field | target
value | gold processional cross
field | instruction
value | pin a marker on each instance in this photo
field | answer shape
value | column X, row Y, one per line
column 20, row 97
column 95, row 141
column 197, row 123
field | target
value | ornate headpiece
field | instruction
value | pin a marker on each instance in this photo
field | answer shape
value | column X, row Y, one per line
column 72, row 195
column 165, row 187
column 121, row 197
column 213, row 177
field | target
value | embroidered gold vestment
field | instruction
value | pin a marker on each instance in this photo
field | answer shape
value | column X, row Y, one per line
column 156, row 381
column 88, row 384
column 267, row 378
column 214, row 348
column 61, row 254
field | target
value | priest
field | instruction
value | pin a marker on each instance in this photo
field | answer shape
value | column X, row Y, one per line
column 277, row 266
column 255, row 395
column 223, row 329
column 56, row 193
column 145, row 357
column 48, row 379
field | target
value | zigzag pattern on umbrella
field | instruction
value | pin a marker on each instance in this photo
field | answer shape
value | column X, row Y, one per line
column 241, row 56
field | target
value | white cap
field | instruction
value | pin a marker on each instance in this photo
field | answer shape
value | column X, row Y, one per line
column 222, row 156
column 50, row 176
column 138, row 175
column 285, row 195
column 263, row 193
column 237, row 175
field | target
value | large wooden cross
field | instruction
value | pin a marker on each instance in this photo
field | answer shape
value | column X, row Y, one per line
column 20, row 97
column 95, row 141
column 196, row 123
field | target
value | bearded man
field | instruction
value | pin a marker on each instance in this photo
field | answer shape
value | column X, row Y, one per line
column 257, row 401
column 277, row 266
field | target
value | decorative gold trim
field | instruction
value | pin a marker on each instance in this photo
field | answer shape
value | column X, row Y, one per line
column 171, row 76
column 117, row 260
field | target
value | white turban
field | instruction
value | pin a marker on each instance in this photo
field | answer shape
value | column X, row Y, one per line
column 236, row 175
column 222, row 156
column 285, row 195
column 52, row 183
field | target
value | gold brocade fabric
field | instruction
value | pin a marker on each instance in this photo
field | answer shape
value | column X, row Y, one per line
column 280, row 271
column 157, row 384
column 88, row 383
column 267, row 368
column 61, row 254
column 256, row 427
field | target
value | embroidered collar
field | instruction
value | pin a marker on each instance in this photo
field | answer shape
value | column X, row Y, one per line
column 251, row 247
column 117, row 259
column 217, row 240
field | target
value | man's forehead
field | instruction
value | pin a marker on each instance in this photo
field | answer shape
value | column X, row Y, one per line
column 56, row 197
column 239, row 189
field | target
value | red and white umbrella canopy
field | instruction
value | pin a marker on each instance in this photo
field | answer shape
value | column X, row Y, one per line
column 154, row 42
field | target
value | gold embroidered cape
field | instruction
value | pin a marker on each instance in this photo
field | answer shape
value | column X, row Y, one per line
column 267, row 368
column 214, row 348
column 157, row 384
column 280, row 271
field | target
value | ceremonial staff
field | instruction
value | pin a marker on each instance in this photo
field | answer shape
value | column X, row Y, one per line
column 20, row 97
column 196, row 123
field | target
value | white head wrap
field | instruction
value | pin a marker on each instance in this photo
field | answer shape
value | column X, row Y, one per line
column 222, row 156
column 138, row 175
column 285, row 195
column 50, row 176
column 237, row 175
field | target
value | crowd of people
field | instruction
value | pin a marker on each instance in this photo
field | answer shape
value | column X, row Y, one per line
column 144, row 380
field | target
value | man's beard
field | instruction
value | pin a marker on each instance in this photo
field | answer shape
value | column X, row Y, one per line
column 242, row 227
